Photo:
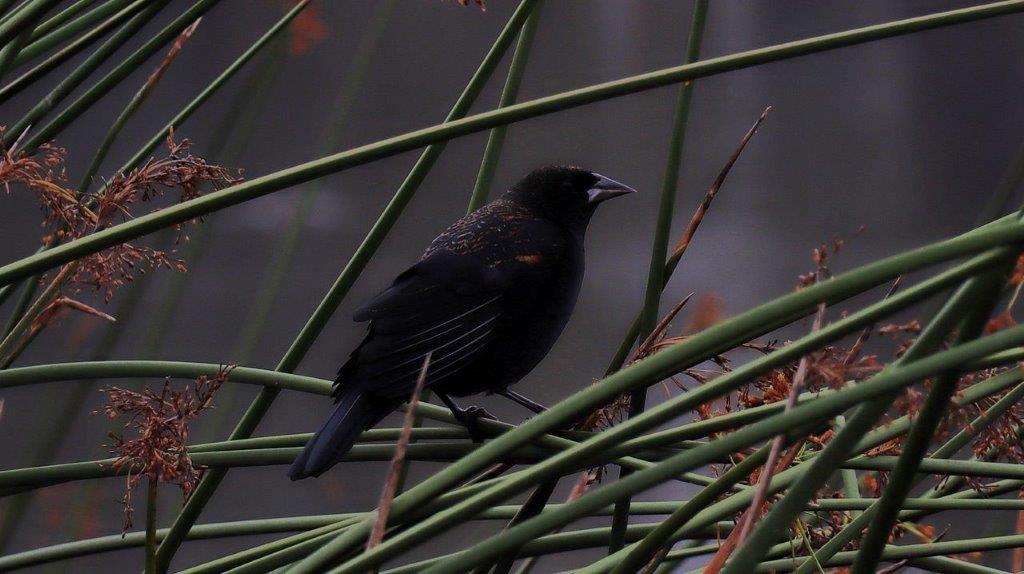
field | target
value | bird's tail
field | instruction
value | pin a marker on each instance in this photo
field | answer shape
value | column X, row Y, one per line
column 353, row 413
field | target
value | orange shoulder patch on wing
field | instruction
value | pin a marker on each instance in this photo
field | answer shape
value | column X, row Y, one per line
column 529, row 259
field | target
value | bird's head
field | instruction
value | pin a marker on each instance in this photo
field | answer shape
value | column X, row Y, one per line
column 565, row 194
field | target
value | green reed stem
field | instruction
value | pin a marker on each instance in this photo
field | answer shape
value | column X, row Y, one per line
column 158, row 138
column 5, row 6
column 64, row 54
column 331, row 164
column 78, row 75
column 15, row 22
column 656, row 278
column 54, row 31
column 122, row 119
column 496, row 138
column 92, row 95
column 11, row 50
column 151, row 497
column 281, row 264
column 63, row 16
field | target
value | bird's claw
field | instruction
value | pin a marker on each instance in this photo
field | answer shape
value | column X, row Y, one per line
column 473, row 415
column 476, row 412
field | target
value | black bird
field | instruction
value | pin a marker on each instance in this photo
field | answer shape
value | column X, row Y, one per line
column 487, row 301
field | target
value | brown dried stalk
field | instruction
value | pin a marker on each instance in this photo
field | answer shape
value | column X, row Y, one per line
column 172, row 53
column 397, row 461
column 698, row 215
column 734, row 540
column 778, row 442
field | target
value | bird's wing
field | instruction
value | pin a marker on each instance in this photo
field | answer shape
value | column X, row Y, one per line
column 447, row 307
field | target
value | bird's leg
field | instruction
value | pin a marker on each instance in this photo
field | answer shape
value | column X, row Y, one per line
column 469, row 417
column 523, row 400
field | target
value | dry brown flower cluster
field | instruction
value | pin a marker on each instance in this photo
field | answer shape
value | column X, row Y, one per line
column 828, row 368
column 69, row 214
column 831, row 368
column 160, row 424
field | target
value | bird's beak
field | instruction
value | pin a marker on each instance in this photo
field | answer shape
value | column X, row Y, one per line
column 606, row 189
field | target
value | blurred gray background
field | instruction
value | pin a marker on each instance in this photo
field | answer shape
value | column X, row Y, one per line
column 906, row 136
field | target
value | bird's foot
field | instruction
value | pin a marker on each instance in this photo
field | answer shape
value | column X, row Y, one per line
column 471, row 418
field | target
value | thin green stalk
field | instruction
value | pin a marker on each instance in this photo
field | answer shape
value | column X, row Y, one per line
column 133, row 105
column 6, row 291
column 297, row 351
column 496, row 139
column 158, row 138
column 233, row 132
column 281, row 264
column 270, row 555
column 53, row 32
column 481, row 192
column 718, row 338
column 78, row 75
column 21, row 306
column 69, row 51
column 42, row 476
column 158, row 370
column 16, row 22
column 5, row 6
column 331, row 164
column 941, row 466
column 848, row 476
column 285, row 554
column 102, row 544
column 11, row 50
column 65, row 15
column 119, row 73
column 893, row 553
column 9, row 345
column 151, row 496
column 662, row 230
column 644, row 551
